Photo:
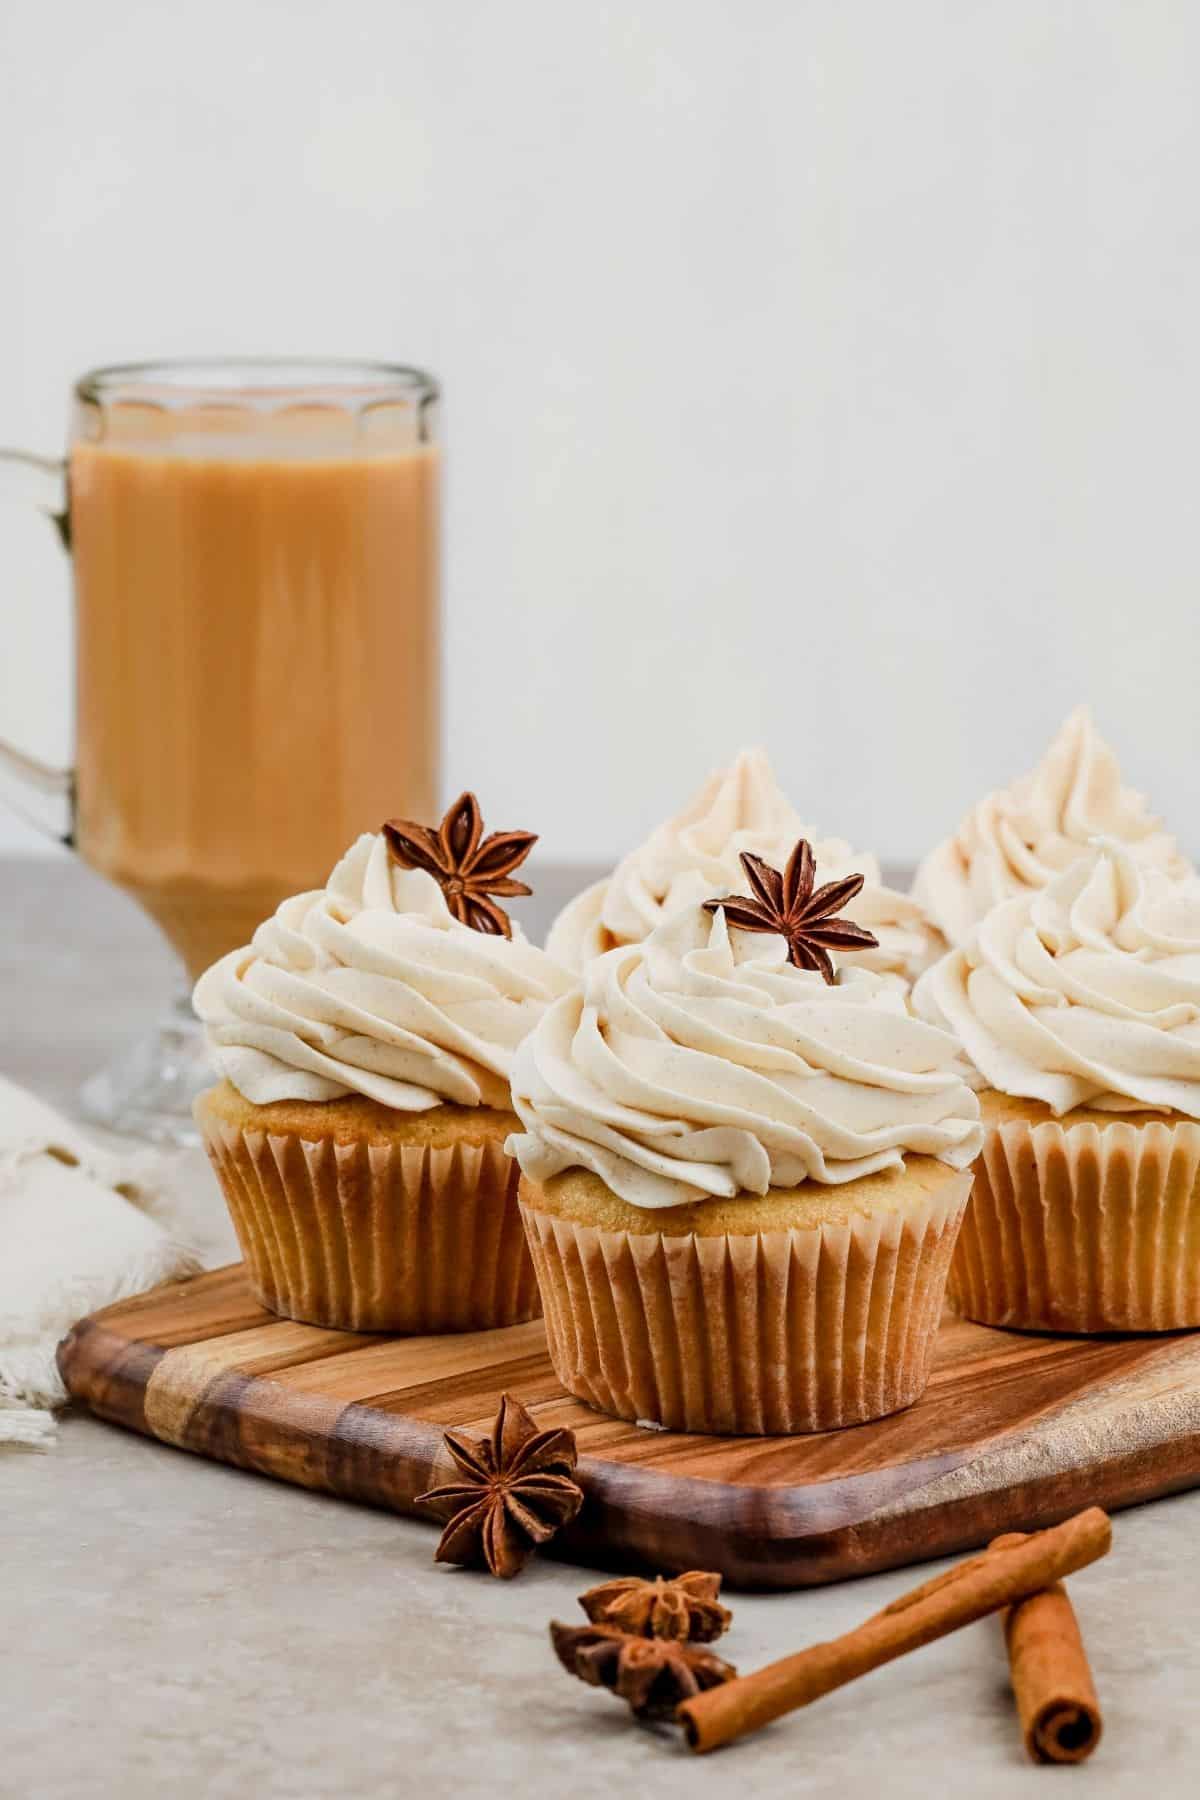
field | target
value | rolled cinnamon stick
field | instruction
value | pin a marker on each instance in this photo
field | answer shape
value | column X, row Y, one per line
column 1051, row 1679
column 982, row 1585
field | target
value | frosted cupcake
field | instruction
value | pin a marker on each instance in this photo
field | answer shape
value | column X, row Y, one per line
column 690, row 858
column 743, row 1170
column 1018, row 839
column 1080, row 1007
column 365, row 1039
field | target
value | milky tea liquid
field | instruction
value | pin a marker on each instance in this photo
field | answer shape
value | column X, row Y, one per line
column 257, row 663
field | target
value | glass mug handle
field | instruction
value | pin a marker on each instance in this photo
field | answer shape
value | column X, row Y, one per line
column 41, row 793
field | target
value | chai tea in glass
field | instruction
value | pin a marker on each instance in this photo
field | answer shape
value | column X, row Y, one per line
column 256, row 581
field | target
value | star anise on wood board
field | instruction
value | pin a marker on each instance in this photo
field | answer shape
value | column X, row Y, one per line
column 468, row 867
column 652, row 1674
column 514, row 1494
column 788, row 905
column 686, row 1609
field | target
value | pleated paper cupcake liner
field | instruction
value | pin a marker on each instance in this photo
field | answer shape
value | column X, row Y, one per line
column 771, row 1333
column 377, row 1236
column 1083, row 1228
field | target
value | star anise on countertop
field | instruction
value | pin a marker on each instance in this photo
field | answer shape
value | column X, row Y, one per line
column 788, row 905
column 516, row 1491
column 468, row 867
column 652, row 1674
column 686, row 1608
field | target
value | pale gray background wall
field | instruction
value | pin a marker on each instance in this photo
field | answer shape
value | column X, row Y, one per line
column 820, row 374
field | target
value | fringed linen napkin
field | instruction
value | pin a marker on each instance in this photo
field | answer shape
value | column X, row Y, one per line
column 81, row 1226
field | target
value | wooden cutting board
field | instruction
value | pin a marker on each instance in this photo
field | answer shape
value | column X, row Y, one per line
column 1015, row 1431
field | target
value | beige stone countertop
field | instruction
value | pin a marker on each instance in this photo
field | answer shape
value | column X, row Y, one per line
column 169, row 1627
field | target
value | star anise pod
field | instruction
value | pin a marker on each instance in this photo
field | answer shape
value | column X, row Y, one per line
column 686, row 1609
column 516, row 1491
column 652, row 1674
column 468, row 867
column 787, row 904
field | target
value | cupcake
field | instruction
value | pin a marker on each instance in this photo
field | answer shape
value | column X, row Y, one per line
column 365, row 1040
column 743, row 1170
column 1018, row 839
column 1079, row 1005
column 698, row 854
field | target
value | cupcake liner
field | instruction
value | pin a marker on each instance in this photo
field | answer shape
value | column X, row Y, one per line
column 767, row 1333
column 377, row 1236
column 1083, row 1228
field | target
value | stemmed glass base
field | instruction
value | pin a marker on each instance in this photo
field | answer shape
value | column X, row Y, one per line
column 148, row 1091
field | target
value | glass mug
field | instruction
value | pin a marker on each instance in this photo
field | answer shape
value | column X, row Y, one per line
column 255, row 552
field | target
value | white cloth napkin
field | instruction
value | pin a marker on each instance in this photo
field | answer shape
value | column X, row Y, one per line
column 81, row 1226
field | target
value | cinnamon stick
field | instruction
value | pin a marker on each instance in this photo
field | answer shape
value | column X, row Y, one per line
column 1051, row 1680
column 982, row 1585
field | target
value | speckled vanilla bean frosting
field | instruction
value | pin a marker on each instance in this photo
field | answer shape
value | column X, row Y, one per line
column 701, row 1063
column 1019, row 838
column 697, row 855
column 369, row 986
column 1085, row 993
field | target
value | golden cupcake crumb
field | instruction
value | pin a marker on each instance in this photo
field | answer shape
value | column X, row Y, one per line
column 582, row 1198
column 354, row 1119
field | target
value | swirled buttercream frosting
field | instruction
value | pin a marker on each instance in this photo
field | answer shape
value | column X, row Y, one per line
column 1022, row 836
column 698, row 855
column 1085, row 993
column 701, row 1063
column 369, row 986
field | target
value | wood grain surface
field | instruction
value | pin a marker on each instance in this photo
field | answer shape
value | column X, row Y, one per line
column 1015, row 1431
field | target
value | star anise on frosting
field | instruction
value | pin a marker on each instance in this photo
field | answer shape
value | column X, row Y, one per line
column 787, row 904
column 468, row 867
column 514, row 1493
column 652, row 1674
column 686, row 1608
